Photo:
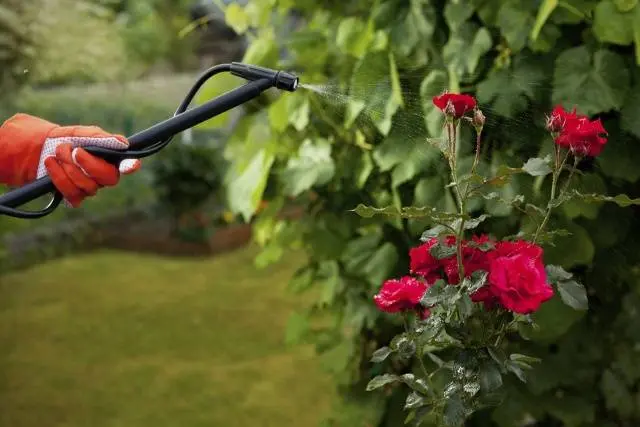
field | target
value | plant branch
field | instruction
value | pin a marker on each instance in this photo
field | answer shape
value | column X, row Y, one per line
column 554, row 183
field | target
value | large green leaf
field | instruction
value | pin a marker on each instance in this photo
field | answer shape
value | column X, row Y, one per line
column 433, row 84
column 631, row 110
column 581, row 205
column 246, row 183
column 374, row 91
column 620, row 157
column 509, row 90
column 515, row 20
column 573, row 294
column 611, row 25
column 570, row 251
column 592, row 82
column 354, row 36
column 312, row 166
column 553, row 319
column 465, row 47
column 457, row 12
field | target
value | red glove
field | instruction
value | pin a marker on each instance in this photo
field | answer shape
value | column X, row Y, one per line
column 31, row 148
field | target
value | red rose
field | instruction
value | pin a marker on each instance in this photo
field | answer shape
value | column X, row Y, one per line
column 423, row 263
column 558, row 119
column 400, row 295
column 517, row 278
column 583, row 137
column 454, row 104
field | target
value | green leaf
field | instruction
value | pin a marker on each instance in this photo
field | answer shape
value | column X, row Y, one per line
column 621, row 32
column 517, row 370
column 625, row 5
column 465, row 47
column 509, row 90
column 298, row 111
column 593, row 83
column 354, row 36
column 457, row 12
column 572, row 250
column 414, row 400
column 438, row 293
column 620, row 157
column 490, row 377
column 405, row 212
column 554, row 319
column 454, row 412
column 631, row 109
column 575, row 206
column 364, row 170
column 373, row 91
column 246, row 183
column 297, row 327
column 381, row 264
column 381, row 381
column 434, row 84
column 573, row 294
column 621, row 200
column 279, row 114
column 537, row 166
column 515, row 357
column 465, row 307
column 313, row 166
column 437, row 231
column 416, row 384
column 555, row 273
column 515, row 20
column 381, row 354
column 544, row 11
column 236, row 18
column 441, row 250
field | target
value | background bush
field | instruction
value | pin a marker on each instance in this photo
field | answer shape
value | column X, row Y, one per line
column 519, row 57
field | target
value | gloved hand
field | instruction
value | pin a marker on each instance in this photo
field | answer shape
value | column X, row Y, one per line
column 31, row 148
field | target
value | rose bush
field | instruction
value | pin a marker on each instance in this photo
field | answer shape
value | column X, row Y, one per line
column 464, row 288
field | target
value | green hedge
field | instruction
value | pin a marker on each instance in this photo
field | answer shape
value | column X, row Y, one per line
column 519, row 57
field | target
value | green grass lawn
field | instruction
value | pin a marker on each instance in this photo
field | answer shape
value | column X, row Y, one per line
column 116, row 339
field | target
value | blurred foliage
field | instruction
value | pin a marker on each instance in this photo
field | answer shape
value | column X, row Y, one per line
column 76, row 41
column 187, row 176
column 365, row 141
column 16, row 46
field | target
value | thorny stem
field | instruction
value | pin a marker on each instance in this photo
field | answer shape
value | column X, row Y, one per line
column 477, row 157
column 554, row 183
column 452, row 133
column 420, row 357
column 576, row 160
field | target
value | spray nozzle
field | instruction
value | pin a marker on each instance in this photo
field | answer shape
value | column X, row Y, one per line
column 281, row 79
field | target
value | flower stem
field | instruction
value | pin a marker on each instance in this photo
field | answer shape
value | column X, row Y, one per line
column 452, row 133
column 477, row 157
column 554, row 184
column 420, row 357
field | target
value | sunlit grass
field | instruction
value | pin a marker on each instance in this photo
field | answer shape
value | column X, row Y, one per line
column 115, row 339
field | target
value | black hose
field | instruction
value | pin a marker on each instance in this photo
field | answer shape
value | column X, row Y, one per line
column 155, row 138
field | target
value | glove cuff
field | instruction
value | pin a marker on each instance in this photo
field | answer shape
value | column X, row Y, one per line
column 21, row 140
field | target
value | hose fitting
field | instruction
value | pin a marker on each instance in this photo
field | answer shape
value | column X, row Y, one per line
column 281, row 79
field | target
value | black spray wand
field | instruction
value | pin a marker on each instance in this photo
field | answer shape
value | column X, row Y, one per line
column 152, row 140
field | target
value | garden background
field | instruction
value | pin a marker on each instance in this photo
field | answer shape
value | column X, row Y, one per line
column 132, row 310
